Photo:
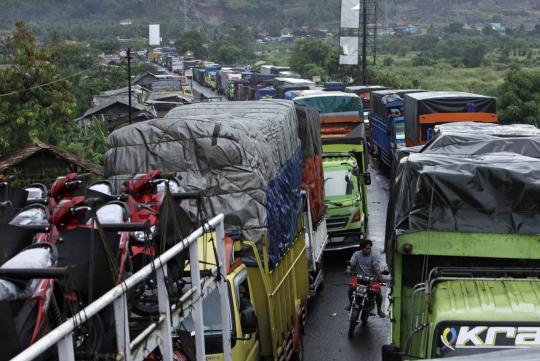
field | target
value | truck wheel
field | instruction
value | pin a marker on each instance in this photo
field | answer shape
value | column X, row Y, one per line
column 299, row 356
column 390, row 353
column 352, row 322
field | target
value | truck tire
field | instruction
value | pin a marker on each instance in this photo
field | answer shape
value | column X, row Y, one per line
column 352, row 322
column 299, row 356
column 391, row 353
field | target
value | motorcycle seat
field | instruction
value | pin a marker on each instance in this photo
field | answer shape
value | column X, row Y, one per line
column 113, row 212
column 104, row 187
column 36, row 214
column 35, row 258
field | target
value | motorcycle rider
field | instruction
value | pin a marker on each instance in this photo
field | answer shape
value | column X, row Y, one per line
column 366, row 263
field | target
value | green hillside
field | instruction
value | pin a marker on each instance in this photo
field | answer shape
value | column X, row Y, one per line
column 78, row 19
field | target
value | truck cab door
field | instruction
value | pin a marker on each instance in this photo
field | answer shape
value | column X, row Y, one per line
column 247, row 344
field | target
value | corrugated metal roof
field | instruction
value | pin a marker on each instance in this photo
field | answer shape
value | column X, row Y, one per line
column 28, row 150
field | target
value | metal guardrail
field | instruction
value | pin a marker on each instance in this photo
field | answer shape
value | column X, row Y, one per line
column 157, row 334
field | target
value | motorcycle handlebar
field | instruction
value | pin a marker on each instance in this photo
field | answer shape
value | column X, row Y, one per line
column 126, row 227
column 186, row 195
column 38, row 228
column 34, row 273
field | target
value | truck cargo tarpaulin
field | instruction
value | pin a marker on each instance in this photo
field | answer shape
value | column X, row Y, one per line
column 339, row 112
column 469, row 138
column 426, row 109
column 244, row 157
column 494, row 192
column 309, row 131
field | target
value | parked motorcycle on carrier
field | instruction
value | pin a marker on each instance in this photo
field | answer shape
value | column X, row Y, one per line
column 363, row 300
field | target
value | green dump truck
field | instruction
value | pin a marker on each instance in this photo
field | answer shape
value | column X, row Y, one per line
column 463, row 244
column 345, row 164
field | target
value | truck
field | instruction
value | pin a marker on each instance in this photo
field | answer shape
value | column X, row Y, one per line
column 387, row 123
column 462, row 244
column 345, row 165
column 256, row 182
column 425, row 110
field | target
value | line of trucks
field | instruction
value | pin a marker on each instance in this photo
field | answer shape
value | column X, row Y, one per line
column 462, row 237
column 291, row 179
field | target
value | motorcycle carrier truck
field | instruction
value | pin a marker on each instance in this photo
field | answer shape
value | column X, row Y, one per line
column 246, row 160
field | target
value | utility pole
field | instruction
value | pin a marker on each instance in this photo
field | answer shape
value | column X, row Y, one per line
column 364, row 40
column 129, row 83
column 185, row 16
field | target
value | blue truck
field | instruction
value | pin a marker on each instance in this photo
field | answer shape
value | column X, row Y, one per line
column 387, row 122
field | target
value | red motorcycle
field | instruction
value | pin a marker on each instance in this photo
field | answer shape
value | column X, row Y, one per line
column 364, row 292
column 168, row 225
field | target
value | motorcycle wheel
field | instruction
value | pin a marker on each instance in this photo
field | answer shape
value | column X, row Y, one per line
column 88, row 339
column 146, row 300
column 364, row 316
column 352, row 322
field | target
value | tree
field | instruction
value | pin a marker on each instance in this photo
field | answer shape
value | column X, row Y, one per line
column 193, row 41
column 455, row 28
column 519, row 101
column 227, row 53
column 312, row 52
column 34, row 101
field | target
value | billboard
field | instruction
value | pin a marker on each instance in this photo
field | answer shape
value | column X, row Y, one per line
column 153, row 36
column 350, row 14
column 349, row 50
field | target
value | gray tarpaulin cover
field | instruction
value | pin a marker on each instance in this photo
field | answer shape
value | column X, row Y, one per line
column 244, row 156
column 486, row 179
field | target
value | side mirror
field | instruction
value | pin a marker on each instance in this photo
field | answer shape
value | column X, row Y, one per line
column 248, row 321
column 367, row 178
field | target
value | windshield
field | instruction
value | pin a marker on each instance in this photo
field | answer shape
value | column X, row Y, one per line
column 211, row 314
column 335, row 182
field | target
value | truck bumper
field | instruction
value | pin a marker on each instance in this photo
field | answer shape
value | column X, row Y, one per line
column 344, row 240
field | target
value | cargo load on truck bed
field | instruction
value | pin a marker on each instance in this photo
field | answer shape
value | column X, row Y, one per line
column 468, row 138
column 245, row 158
column 309, row 131
column 426, row 109
column 472, row 178
column 340, row 112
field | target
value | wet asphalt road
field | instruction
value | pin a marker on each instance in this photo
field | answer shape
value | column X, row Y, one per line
column 326, row 331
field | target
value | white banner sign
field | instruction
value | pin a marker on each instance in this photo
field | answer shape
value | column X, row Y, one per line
column 349, row 52
column 350, row 14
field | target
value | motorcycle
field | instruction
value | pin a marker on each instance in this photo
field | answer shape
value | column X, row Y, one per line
column 363, row 300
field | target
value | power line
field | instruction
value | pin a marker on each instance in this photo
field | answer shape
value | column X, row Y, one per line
column 51, row 82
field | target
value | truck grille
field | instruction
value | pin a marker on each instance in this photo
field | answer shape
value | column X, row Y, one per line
column 337, row 222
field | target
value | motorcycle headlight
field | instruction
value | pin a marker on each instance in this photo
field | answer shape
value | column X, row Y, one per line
column 141, row 236
column 361, row 289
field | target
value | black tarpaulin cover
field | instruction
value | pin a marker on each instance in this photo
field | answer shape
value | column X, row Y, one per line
column 494, row 192
column 417, row 104
column 468, row 138
column 244, row 156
